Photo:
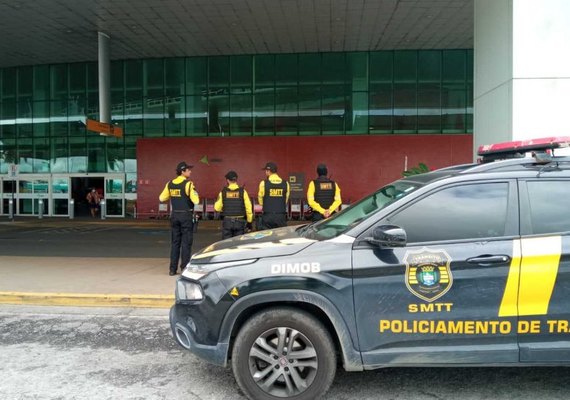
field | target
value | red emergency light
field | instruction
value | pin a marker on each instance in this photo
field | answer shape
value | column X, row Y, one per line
column 523, row 146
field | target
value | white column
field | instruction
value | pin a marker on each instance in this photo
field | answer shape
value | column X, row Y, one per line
column 522, row 70
column 104, row 79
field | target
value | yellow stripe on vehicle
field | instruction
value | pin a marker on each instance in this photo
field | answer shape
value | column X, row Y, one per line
column 510, row 296
column 541, row 257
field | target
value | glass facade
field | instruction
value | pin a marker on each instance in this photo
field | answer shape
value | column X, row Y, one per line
column 43, row 108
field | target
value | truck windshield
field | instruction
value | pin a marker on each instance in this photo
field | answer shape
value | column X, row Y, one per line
column 353, row 215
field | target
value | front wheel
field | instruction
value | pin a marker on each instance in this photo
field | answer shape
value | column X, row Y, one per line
column 284, row 353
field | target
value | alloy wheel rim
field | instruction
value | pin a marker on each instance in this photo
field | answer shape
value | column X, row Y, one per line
column 283, row 362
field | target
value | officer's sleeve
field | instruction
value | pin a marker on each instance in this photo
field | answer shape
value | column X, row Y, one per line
column 337, row 200
column 247, row 204
column 219, row 204
column 288, row 191
column 311, row 199
column 261, row 192
column 192, row 193
column 165, row 195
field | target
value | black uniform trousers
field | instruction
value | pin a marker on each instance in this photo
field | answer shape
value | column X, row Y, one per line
column 232, row 226
column 273, row 220
column 181, row 238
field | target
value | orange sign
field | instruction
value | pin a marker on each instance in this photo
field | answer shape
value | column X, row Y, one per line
column 104, row 129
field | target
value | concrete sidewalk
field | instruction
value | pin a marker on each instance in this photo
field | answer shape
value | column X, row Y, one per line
column 130, row 282
column 90, row 263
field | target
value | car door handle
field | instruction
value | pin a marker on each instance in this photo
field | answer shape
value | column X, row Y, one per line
column 487, row 260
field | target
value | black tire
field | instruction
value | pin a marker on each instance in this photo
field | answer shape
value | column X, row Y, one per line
column 260, row 349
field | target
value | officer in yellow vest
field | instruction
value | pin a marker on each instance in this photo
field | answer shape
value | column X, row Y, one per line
column 235, row 204
column 323, row 195
column 273, row 195
column 182, row 195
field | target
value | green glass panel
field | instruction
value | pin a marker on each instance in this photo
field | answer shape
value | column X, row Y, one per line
column 60, row 185
column 25, row 83
column 309, row 110
column 7, row 154
column 154, row 78
column 429, row 91
column 77, row 154
column 196, row 116
column 196, row 76
column 25, row 155
column 41, row 82
column 333, row 69
column 174, row 77
column 241, row 74
column 115, row 154
column 454, row 66
column 24, row 130
column 381, row 67
column 8, row 83
column 41, row 159
column 286, row 110
column 453, row 107
column 59, row 154
column 309, row 69
column 264, row 113
column 77, row 79
column 356, row 119
column 286, row 70
column 59, row 82
column 131, row 183
column 381, row 108
column 335, row 110
column 405, row 66
column 174, row 123
column 241, row 116
column 24, row 109
column 131, row 154
column 218, row 115
column 357, row 64
column 429, row 66
column 219, row 75
column 264, row 73
column 153, row 117
column 96, row 159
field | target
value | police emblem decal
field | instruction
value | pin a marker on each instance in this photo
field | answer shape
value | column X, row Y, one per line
column 428, row 273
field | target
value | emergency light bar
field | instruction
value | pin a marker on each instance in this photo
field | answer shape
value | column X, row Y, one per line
column 518, row 148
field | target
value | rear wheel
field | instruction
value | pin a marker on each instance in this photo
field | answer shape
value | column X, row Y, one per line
column 284, row 353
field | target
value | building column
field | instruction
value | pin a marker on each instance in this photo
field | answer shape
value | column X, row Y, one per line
column 104, row 79
column 522, row 70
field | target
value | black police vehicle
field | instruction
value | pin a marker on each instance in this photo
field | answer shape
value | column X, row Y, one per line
column 463, row 266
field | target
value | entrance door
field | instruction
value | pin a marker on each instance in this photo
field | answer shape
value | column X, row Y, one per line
column 115, row 195
column 32, row 190
column 60, row 195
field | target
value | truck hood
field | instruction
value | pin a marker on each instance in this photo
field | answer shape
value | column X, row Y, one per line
column 268, row 243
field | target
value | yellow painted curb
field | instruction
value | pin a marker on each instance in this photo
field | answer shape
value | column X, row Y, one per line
column 87, row 299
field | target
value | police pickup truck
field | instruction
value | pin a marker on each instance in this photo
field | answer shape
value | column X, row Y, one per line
column 465, row 266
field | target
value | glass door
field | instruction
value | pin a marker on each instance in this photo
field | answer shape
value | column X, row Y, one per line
column 31, row 192
column 60, row 195
column 115, row 195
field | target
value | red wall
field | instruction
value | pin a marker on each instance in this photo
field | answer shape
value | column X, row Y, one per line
column 360, row 164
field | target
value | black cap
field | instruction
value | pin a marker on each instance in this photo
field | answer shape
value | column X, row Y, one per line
column 231, row 175
column 182, row 166
column 270, row 166
column 322, row 169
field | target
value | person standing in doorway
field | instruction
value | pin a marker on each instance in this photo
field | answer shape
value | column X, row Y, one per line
column 183, row 196
column 273, row 195
column 323, row 195
column 234, row 202
column 94, row 202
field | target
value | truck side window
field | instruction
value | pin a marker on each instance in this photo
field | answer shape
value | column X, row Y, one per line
column 549, row 206
column 470, row 211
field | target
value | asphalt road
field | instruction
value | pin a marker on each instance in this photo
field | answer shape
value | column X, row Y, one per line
column 91, row 353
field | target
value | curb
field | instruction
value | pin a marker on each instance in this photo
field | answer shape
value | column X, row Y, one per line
column 87, row 299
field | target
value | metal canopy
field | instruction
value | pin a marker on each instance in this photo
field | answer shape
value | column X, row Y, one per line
column 58, row 31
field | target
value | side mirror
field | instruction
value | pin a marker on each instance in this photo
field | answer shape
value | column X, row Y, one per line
column 388, row 236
